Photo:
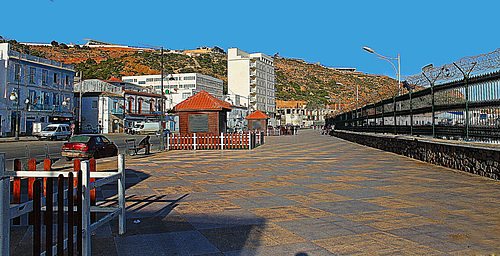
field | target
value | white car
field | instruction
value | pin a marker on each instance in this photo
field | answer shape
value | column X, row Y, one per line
column 55, row 132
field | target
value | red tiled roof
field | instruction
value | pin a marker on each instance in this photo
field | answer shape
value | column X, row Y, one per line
column 202, row 101
column 114, row 79
column 257, row 115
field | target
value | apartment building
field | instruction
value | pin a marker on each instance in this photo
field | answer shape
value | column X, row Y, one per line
column 180, row 86
column 33, row 90
column 252, row 76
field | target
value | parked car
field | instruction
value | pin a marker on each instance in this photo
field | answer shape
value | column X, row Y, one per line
column 89, row 146
column 55, row 132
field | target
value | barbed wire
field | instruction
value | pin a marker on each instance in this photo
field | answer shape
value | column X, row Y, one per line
column 452, row 71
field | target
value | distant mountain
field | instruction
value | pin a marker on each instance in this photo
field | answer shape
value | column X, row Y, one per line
column 295, row 79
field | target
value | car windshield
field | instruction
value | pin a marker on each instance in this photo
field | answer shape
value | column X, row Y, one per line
column 50, row 128
column 80, row 139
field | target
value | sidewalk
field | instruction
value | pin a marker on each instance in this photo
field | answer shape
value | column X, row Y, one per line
column 300, row 195
column 21, row 138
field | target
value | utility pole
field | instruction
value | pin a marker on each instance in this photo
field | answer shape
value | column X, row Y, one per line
column 162, row 135
column 80, row 104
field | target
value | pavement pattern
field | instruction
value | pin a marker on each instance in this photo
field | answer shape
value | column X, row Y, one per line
column 301, row 195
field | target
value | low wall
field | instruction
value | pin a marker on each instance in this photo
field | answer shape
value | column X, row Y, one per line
column 469, row 157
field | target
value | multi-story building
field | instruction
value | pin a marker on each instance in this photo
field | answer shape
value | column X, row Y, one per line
column 297, row 113
column 36, row 90
column 180, row 86
column 252, row 76
column 111, row 106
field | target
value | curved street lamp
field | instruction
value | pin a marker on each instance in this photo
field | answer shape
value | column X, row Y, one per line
column 398, row 69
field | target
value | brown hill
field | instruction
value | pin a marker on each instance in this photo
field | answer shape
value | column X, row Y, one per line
column 295, row 79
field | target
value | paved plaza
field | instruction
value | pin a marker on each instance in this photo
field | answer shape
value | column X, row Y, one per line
column 301, row 195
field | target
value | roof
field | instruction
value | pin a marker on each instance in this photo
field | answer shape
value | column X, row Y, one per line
column 202, row 101
column 114, row 79
column 257, row 115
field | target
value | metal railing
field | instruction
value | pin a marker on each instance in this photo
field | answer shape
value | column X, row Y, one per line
column 467, row 109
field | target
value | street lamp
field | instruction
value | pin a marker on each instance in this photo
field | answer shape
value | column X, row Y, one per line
column 398, row 70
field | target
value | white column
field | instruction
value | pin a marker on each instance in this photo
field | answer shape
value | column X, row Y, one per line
column 221, row 141
column 121, row 195
column 86, row 243
column 194, row 141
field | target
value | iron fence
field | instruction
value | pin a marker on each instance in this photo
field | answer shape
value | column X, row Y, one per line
column 466, row 109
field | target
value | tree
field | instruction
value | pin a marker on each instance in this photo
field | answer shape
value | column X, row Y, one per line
column 54, row 43
column 63, row 46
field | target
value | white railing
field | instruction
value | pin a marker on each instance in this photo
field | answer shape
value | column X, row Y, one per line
column 248, row 140
column 7, row 212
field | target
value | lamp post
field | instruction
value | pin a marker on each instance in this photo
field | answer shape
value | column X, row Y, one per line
column 398, row 74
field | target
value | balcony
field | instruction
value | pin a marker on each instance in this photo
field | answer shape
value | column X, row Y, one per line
column 253, row 83
column 116, row 111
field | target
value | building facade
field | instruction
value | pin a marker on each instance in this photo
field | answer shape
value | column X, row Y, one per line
column 252, row 76
column 179, row 86
column 111, row 106
column 33, row 90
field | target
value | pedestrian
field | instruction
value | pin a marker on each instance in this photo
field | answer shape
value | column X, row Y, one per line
column 145, row 144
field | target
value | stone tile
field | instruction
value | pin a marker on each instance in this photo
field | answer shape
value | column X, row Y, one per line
column 234, row 194
column 262, row 202
column 346, row 207
column 361, row 193
column 290, row 190
column 194, row 243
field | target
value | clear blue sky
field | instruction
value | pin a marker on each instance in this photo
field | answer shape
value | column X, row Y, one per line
column 330, row 32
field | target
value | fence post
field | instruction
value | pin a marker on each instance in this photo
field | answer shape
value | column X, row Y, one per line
column 85, row 208
column 221, row 141
column 121, row 194
column 249, row 140
column 168, row 141
column 4, row 208
column 194, row 141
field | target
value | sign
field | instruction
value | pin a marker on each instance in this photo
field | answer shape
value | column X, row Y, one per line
column 198, row 123
column 257, row 125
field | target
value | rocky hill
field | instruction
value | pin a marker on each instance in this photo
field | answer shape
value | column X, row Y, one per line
column 295, row 79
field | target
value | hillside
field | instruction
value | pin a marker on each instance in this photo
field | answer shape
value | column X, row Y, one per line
column 295, row 79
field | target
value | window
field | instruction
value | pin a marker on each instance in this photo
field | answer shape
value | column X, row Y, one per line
column 67, row 80
column 189, row 78
column 44, row 77
column 94, row 104
column 32, row 75
column 142, row 82
column 17, row 72
column 56, row 78
column 149, row 79
column 186, row 95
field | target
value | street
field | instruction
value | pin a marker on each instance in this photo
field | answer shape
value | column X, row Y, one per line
column 38, row 149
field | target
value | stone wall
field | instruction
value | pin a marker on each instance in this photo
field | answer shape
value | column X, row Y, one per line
column 474, row 158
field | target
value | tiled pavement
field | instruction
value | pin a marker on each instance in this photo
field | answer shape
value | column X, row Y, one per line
column 301, row 195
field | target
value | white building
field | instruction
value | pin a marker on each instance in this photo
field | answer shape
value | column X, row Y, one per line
column 35, row 89
column 180, row 86
column 252, row 75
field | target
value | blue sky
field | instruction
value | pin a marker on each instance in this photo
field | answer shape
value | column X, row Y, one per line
column 329, row 32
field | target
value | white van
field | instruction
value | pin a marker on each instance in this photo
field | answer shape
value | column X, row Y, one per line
column 55, row 132
column 142, row 127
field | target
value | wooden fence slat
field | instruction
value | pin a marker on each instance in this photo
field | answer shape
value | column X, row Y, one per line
column 49, row 214
column 93, row 215
column 71, row 220
column 37, row 218
column 16, row 189
column 79, row 217
column 60, row 215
